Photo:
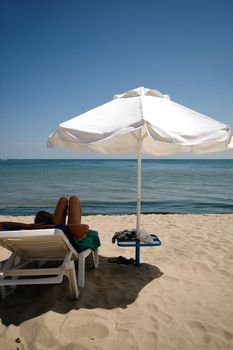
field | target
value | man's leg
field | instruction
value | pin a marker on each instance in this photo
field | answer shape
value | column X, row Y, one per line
column 74, row 211
column 59, row 216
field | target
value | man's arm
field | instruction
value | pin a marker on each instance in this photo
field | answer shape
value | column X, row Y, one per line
column 23, row 226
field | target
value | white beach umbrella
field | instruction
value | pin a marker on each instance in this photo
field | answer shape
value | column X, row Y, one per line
column 143, row 121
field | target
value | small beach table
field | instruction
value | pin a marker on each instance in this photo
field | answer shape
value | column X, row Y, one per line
column 137, row 244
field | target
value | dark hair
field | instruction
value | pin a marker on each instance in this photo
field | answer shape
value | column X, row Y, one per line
column 43, row 218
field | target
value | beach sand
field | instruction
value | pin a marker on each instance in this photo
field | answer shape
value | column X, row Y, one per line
column 181, row 297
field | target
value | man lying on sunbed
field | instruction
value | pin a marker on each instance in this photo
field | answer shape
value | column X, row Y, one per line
column 74, row 230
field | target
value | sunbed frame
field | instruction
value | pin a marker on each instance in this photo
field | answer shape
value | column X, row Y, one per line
column 38, row 247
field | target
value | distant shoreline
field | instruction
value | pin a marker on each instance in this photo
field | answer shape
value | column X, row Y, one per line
column 31, row 217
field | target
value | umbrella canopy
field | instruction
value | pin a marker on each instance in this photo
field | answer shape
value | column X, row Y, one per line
column 166, row 127
column 143, row 121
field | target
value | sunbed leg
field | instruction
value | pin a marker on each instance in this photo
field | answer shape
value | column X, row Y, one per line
column 3, row 292
column 95, row 256
column 70, row 273
column 13, row 260
column 2, row 288
column 81, row 269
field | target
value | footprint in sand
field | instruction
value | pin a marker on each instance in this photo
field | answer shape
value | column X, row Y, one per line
column 201, row 267
column 92, row 330
column 164, row 317
column 228, row 335
column 199, row 332
column 171, row 278
column 205, row 333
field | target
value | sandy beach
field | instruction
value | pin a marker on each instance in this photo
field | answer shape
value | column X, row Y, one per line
column 181, row 297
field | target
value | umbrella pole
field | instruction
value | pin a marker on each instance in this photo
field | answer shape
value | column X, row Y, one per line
column 139, row 176
column 139, row 180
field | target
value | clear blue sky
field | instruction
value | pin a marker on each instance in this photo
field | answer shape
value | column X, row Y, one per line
column 60, row 58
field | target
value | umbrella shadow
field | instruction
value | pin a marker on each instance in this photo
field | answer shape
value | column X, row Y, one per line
column 110, row 286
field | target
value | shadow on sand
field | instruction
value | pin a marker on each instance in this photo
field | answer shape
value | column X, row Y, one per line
column 110, row 286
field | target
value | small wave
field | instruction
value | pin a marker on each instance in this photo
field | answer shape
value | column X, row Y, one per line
column 129, row 207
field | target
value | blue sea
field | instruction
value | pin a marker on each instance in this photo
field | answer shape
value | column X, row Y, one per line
column 109, row 186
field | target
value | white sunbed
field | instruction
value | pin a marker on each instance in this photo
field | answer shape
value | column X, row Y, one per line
column 36, row 246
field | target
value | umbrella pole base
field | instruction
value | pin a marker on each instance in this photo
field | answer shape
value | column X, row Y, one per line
column 137, row 253
column 137, row 244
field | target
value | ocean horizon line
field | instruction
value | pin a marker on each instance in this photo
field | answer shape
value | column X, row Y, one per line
column 119, row 159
